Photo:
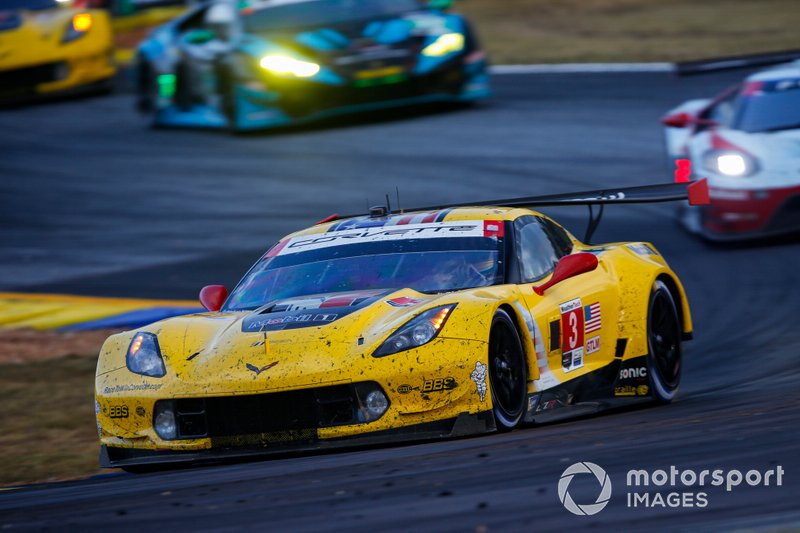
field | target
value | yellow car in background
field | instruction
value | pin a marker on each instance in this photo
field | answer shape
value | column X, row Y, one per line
column 46, row 47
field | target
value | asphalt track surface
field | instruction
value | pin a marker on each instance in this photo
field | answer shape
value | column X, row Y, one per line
column 92, row 202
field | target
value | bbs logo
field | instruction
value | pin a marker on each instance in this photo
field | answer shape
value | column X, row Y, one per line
column 118, row 411
column 439, row 384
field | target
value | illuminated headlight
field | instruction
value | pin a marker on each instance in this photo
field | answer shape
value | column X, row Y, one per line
column 78, row 26
column 144, row 356
column 286, row 65
column 164, row 421
column 730, row 163
column 447, row 43
column 420, row 330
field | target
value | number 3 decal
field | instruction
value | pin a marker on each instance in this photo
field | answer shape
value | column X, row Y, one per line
column 572, row 318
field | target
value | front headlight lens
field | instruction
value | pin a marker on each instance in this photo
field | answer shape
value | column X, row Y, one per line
column 144, row 356
column 78, row 26
column 164, row 421
column 281, row 64
column 731, row 164
column 418, row 331
column 447, row 43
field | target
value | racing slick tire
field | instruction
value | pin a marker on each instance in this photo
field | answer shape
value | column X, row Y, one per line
column 664, row 344
column 507, row 372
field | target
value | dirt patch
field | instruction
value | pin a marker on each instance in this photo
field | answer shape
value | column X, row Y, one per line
column 25, row 345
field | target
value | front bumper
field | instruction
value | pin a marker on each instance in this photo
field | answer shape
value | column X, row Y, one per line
column 462, row 425
column 746, row 214
column 61, row 74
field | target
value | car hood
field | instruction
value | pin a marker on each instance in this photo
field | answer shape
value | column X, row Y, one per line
column 375, row 43
column 207, row 348
column 31, row 37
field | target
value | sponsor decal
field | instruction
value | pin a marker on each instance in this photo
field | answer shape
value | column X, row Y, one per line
column 132, row 388
column 641, row 249
column 592, row 344
column 118, row 411
column 591, row 318
column 140, row 411
column 439, row 384
column 432, row 230
column 632, row 390
column 404, row 301
column 257, row 370
column 479, row 377
column 493, row 228
column 572, row 321
column 430, row 385
column 633, row 373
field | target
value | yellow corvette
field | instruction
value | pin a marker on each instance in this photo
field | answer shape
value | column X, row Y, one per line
column 385, row 327
column 46, row 47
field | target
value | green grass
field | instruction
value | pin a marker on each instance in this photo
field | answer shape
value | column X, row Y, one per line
column 47, row 420
column 551, row 31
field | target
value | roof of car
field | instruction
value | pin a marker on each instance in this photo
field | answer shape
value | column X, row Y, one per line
column 417, row 217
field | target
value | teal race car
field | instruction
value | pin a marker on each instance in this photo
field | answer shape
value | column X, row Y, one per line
column 261, row 64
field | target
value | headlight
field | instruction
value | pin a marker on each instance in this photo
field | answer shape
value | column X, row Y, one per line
column 78, row 26
column 144, row 356
column 288, row 65
column 420, row 330
column 447, row 43
column 730, row 163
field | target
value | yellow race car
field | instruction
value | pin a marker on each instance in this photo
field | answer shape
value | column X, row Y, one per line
column 47, row 47
column 402, row 326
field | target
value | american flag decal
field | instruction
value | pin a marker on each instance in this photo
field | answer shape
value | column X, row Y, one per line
column 591, row 315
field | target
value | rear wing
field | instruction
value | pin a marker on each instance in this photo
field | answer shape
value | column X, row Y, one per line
column 696, row 192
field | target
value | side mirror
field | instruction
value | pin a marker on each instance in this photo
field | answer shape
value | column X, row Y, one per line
column 199, row 36
column 213, row 296
column 441, row 5
column 682, row 120
column 568, row 266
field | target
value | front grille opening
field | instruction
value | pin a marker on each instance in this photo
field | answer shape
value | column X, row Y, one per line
column 289, row 413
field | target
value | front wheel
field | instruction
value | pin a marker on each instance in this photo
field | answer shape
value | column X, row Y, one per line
column 508, row 375
column 664, row 343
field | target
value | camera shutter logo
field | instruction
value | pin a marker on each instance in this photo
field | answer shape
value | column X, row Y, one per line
column 602, row 498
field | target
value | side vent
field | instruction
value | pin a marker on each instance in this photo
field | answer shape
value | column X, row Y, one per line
column 555, row 335
column 621, row 344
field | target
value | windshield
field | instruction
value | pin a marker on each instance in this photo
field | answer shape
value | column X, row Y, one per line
column 426, row 265
column 311, row 13
column 26, row 4
column 770, row 106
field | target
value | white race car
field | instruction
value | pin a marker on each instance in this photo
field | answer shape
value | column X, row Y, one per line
column 746, row 141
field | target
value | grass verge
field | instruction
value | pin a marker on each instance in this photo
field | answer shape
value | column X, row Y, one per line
column 555, row 31
column 47, row 420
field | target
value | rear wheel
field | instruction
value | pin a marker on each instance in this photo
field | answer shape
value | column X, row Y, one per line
column 507, row 372
column 664, row 343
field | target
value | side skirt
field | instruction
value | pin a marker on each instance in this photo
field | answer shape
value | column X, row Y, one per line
column 617, row 384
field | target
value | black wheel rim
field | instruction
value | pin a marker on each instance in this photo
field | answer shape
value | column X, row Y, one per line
column 506, row 370
column 665, row 347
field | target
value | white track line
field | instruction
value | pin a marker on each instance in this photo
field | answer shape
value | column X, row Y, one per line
column 581, row 68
